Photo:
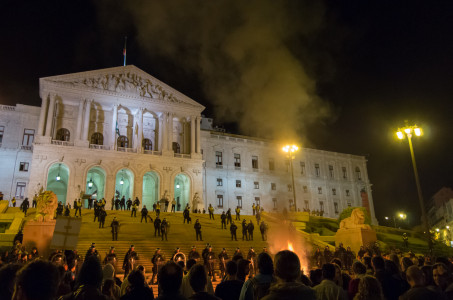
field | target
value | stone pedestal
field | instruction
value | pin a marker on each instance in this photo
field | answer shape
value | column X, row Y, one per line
column 39, row 235
column 355, row 238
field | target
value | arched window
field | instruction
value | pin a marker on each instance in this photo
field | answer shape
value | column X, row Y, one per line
column 123, row 142
column 359, row 175
column 97, row 138
column 176, row 148
column 63, row 135
column 147, row 144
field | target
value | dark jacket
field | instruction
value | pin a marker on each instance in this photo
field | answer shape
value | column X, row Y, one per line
column 290, row 290
column 85, row 292
column 203, row 296
column 139, row 293
column 420, row 293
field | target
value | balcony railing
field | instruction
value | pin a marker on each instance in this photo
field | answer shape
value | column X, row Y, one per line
column 182, row 155
column 152, row 152
column 99, row 147
column 7, row 107
column 26, row 147
column 62, row 143
column 123, row 149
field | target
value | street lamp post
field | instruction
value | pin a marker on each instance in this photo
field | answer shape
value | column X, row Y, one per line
column 291, row 149
column 401, row 133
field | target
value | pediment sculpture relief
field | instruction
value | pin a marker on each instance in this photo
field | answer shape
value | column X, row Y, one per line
column 125, row 82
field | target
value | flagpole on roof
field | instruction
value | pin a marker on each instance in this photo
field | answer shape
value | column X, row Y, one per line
column 124, row 51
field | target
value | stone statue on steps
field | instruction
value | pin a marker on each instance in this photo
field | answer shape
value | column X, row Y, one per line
column 195, row 201
column 356, row 220
column 47, row 202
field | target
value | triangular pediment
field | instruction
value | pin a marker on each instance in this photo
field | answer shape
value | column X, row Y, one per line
column 128, row 81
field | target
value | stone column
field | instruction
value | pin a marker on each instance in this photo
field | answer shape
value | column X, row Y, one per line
column 192, row 135
column 42, row 116
column 198, row 141
column 170, row 131
column 164, row 132
column 86, row 122
column 114, row 121
column 79, row 119
column 140, row 131
column 50, row 116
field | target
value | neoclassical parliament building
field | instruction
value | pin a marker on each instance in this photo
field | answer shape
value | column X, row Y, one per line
column 121, row 132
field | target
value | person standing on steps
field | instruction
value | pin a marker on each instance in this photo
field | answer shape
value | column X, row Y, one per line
column 137, row 202
column 197, row 228
column 123, row 203
column 129, row 204
column 238, row 213
column 223, row 259
column 244, row 230
column 186, row 215
column 129, row 260
column 157, row 223
column 253, row 208
column 102, row 216
column 144, row 214
column 228, row 215
column 233, row 229
column 96, row 211
column 223, row 220
column 115, row 228
column 193, row 254
column 134, row 210
column 164, row 229
column 24, row 206
column 263, row 230
column 209, row 258
column 211, row 212
column 35, row 201
column 250, row 228
column 158, row 260
column 173, row 205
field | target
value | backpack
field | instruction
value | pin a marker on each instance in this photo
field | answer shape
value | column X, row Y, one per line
column 260, row 289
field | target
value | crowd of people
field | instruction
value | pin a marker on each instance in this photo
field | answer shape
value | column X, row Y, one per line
column 372, row 276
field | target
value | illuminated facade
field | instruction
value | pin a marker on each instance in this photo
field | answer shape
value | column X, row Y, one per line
column 121, row 132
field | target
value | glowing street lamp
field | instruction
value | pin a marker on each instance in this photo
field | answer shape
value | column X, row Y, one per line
column 291, row 150
column 408, row 132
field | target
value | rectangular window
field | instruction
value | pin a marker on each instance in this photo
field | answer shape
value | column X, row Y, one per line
column 335, row 204
column 257, row 201
column 2, row 132
column 347, row 192
column 219, row 182
column 321, row 206
column 255, row 162
column 317, row 170
column 20, row 190
column 306, row 205
column 271, row 164
column 219, row 200
column 273, row 186
column 23, row 167
column 237, row 160
column 238, row 183
column 256, row 184
column 239, row 200
column 274, row 202
column 345, row 174
column 359, row 174
column 218, row 159
column 290, row 188
column 305, row 189
column 334, row 192
column 320, row 190
column 29, row 135
column 302, row 168
column 349, row 204
column 331, row 171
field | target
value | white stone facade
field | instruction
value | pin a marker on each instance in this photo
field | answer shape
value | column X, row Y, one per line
column 120, row 131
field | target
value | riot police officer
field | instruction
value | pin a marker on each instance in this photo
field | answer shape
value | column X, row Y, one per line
column 223, row 259
column 209, row 258
column 158, row 261
column 115, row 227
column 197, row 227
column 178, row 256
column 251, row 256
column 110, row 258
column 233, row 229
column 164, row 229
column 223, row 220
column 193, row 254
column 157, row 222
column 129, row 260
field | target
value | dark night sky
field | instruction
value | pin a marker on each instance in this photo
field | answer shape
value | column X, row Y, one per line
column 375, row 63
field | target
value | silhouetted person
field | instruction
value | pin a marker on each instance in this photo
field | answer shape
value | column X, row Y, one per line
column 170, row 278
column 137, row 289
column 198, row 281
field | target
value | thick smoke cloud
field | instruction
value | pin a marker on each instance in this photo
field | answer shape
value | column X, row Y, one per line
column 243, row 53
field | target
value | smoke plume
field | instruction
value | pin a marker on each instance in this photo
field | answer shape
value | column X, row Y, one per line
column 247, row 55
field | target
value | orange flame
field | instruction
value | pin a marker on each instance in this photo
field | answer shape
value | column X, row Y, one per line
column 290, row 246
